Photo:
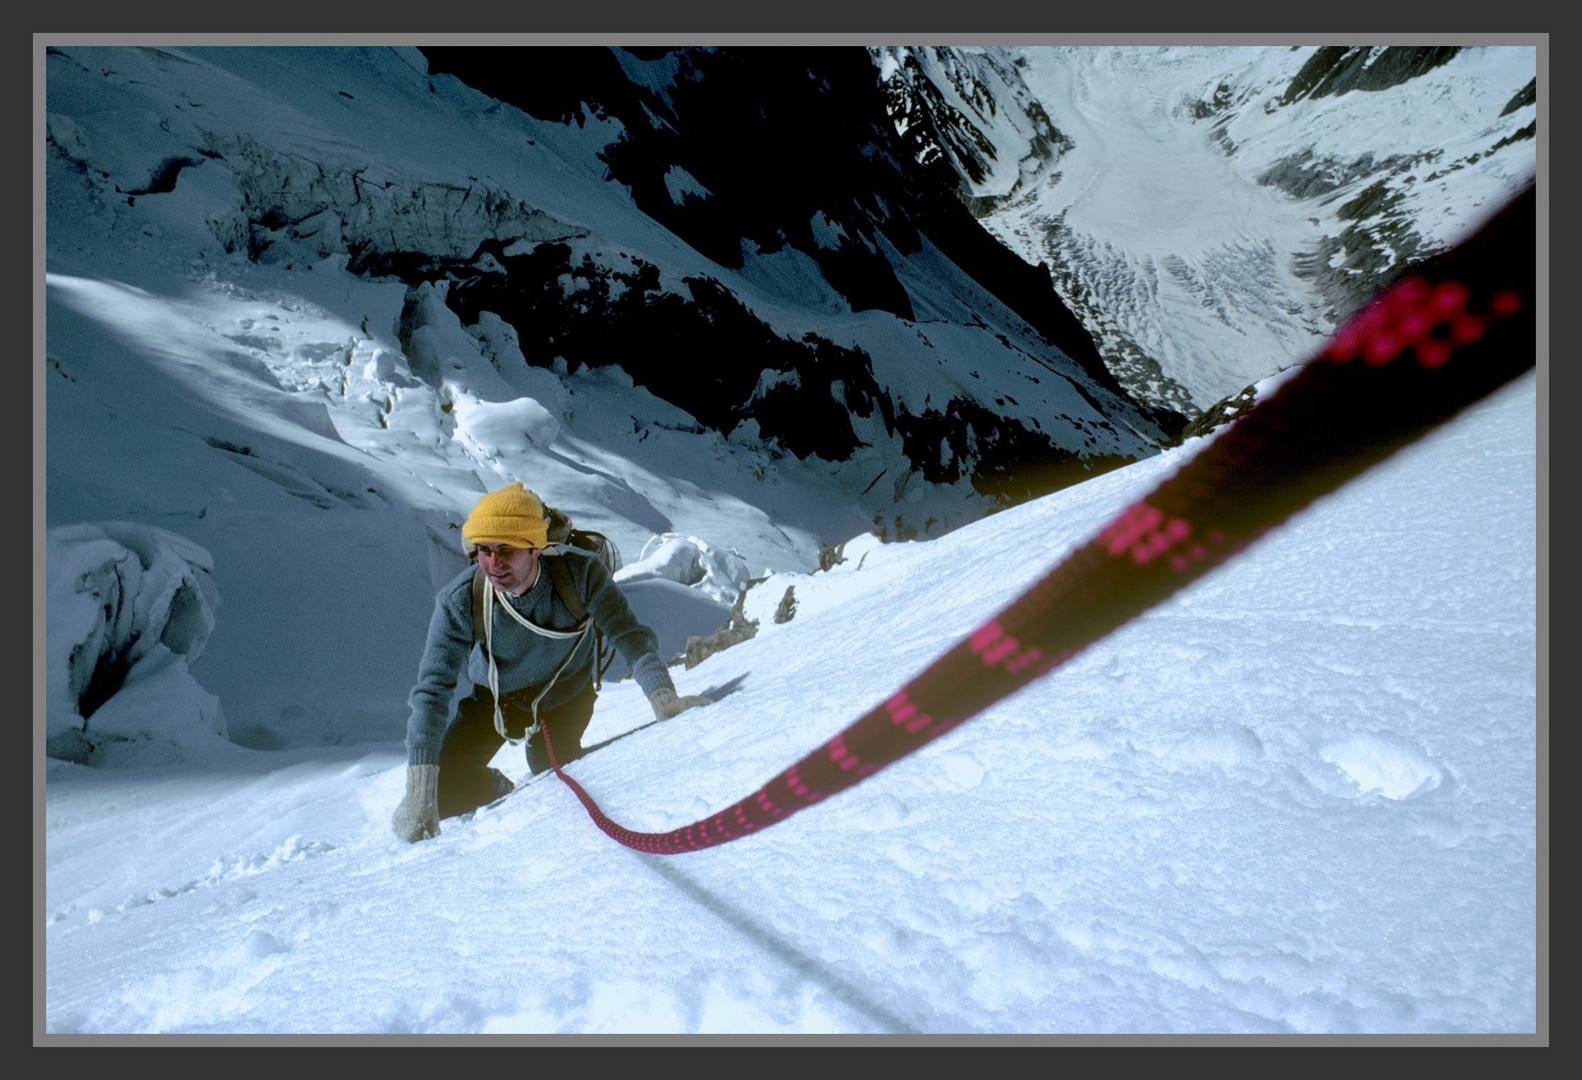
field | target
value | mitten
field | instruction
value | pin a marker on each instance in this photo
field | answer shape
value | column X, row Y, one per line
column 666, row 704
column 417, row 818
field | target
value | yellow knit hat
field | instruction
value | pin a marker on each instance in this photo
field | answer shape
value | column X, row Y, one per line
column 512, row 515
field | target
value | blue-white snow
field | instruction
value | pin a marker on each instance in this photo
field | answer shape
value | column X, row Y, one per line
column 1300, row 798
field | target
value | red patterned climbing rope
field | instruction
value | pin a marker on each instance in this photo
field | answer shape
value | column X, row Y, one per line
column 1455, row 329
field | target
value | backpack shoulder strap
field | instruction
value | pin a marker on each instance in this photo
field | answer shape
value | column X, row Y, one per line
column 560, row 574
column 478, row 579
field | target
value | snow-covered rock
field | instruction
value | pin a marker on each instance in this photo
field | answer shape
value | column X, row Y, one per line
column 719, row 573
column 130, row 607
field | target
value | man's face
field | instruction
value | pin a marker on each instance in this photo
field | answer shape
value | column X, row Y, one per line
column 511, row 568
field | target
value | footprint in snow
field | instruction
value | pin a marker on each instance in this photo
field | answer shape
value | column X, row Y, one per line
column 1384, row 765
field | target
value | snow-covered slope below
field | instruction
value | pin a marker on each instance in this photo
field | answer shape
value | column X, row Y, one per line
column 1283, row 804
column 1211, row 212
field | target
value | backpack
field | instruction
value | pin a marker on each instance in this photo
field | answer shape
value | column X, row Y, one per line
column 561, row 531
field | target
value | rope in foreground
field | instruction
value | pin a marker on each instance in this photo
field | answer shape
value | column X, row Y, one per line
column 1451, row 332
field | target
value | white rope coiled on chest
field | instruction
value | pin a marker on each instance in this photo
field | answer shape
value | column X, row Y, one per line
column 489, row 601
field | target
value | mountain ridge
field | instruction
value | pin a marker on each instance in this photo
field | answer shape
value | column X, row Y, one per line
column 748, row 235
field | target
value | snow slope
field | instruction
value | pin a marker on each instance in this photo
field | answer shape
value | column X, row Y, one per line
column 1300, row 799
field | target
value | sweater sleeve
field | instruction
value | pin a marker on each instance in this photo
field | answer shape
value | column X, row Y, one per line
column 445, row 653
column 636, row 642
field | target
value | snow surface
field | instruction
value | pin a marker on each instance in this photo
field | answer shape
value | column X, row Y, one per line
column 1302, row 798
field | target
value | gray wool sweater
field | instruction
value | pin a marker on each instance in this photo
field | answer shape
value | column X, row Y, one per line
column 524, row 659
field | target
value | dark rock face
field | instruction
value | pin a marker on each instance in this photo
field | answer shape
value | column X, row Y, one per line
column 790, row 148
column 627, row 320
column 778, row 136
column 949, row 139
column 1339, row 69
